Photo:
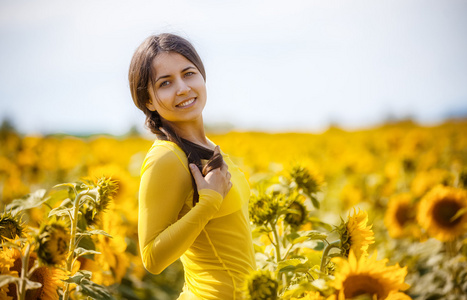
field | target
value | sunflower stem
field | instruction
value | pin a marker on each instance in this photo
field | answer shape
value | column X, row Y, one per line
column 71, row 249
column 21, row 291
column 36, row 265
column 276, row 243
column 329, row 246
column 277, row 248
column 287, row 252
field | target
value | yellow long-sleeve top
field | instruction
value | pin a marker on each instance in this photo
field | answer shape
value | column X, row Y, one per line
column 213, row 238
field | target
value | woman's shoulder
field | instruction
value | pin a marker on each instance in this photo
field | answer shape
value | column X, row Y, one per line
column 164, row 154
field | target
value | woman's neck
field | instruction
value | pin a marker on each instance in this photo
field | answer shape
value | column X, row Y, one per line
column 193, row 132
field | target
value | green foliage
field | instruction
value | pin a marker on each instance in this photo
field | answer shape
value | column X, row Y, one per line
column 279, row 211
column 66, row 235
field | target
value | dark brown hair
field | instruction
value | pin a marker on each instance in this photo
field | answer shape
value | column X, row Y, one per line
column 141, row 75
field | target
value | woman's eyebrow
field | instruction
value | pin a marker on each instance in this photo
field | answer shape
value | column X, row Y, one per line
column 166, row 76
column 159, row 78
column 187, row 68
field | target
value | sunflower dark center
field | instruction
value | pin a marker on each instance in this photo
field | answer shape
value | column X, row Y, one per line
column 444, row 210
column 39, row 275
column 359, row 285
column 8, row 229
column 403, row 215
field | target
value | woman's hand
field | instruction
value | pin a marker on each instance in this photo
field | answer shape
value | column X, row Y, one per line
column 217, row 179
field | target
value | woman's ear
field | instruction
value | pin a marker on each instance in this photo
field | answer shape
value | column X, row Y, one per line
column 150, row 105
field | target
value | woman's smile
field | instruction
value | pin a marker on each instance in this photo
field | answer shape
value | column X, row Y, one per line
column 187, row 103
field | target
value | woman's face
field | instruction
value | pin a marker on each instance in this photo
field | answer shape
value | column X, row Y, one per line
column 179, row 92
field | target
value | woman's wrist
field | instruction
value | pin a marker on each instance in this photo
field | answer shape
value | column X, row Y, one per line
column 212, row 197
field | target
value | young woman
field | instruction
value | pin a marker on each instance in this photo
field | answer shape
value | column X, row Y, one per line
column 193, row 200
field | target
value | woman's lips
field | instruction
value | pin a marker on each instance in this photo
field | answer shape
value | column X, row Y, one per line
column 186, row 102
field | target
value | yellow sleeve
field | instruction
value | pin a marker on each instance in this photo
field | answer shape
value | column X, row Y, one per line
column 165, row 185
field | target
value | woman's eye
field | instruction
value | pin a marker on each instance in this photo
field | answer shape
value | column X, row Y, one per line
column 189, row 73
column 165, row 83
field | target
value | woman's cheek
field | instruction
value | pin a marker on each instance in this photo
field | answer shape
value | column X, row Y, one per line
column 164, row 98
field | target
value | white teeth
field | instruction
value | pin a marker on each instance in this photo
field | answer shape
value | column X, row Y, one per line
column 185, row 103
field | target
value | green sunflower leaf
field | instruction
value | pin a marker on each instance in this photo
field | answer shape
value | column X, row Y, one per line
column 314, row 201
column 81, row 251
column 97, row 231
column 61, row 211
column 288, row 265
column 94, row 290
column 299, row 240
column 34, row 199
column 316, row 235
column 31, row 285
column 81, row 274
column 7, row 279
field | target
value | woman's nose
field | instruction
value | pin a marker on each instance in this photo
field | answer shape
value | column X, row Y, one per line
column 183, row 88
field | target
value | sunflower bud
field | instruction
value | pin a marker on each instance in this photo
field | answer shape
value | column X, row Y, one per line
column 53, row 240
column 10, row 227
column 263, row 208
column 260, row 285
column 107, row 188
column 297, row 216
column 305, row 180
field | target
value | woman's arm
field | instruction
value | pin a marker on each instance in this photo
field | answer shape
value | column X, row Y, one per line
column 165, row 185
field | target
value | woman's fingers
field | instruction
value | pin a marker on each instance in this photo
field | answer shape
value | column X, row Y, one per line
column 199, row 179
column 224, row 167
column 217, row 179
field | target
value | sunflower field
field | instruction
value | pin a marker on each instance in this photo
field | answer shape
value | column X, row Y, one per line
column 379, row 213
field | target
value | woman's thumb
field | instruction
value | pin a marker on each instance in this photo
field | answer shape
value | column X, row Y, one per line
column 196, row 174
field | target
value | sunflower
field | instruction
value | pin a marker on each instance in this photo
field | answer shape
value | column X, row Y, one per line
column 107, row 188
column 51, row 279
column 297, row 214
column 442, row 212
column 263, row 208
column 355, row 234
column 15, row 267
column 260, row 285
column 126, row 183
column 309, row 183
column 7, row 261
column 400, row 217
column 367, row 276
column 106, row 191
column 53, row 240
column 10, row 226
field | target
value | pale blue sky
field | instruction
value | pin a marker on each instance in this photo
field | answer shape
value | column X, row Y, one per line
column 271, row 65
